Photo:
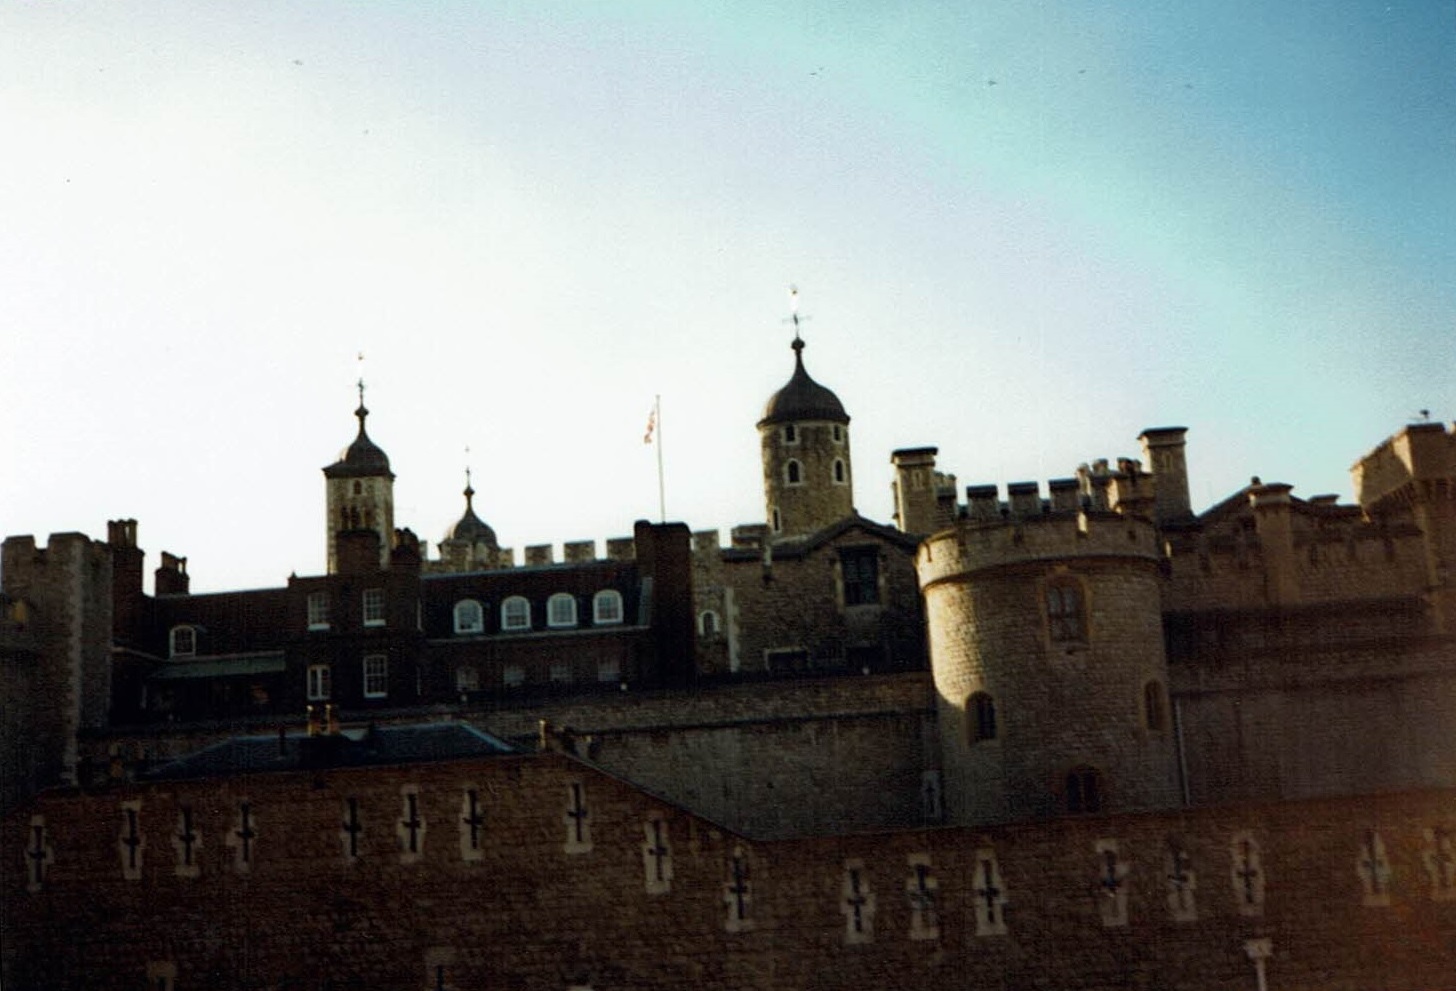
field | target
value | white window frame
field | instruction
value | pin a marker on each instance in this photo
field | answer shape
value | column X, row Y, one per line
column 511, row 618
column 373, row 599
column 320, row 682
column 559, row 603
column 376, row 676
column 462, row 610
column 607, row 607
column 318, row 610
column 182, row 641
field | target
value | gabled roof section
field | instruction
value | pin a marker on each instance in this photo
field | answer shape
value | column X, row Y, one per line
column 809, row 543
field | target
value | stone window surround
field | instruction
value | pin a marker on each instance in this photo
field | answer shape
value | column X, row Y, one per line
column 793, row 472
column 1065, row 600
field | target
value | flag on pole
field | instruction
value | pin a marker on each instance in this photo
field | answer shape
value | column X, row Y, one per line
column 651, row 426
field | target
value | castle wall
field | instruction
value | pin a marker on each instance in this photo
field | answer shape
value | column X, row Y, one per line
column 66, row 586
column 1342, row 895
column 1062, row 700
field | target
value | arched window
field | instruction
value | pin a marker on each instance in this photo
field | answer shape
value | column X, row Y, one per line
column 515, row 613
column 561, row 610
column 708, row 623
column 1155, row 706
column 469, row 617
column 607, row 607
column 793, row 472
column 839, row 473
column 1066, row 614
column 1084, row 790
column 183, row 641
column 981, row 717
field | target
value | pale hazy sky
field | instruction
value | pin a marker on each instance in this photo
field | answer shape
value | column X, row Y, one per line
column 1023, row 231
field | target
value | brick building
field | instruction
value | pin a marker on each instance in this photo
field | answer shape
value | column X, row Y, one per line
column 1066, row 736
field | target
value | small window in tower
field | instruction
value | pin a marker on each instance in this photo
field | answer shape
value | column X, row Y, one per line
column 860, row 568
column 840, row 475
column 607, row 607
column 374, row 607
column 320, row 682
column 516, row 613
column 318, row 610
column 708, row 623
column 469, row 617
column 791, row 433
column 561, row 610
column 981, row 715
column 1155, row 706
column 777, row 521
column 358, row 487
column 184, row 641
column 376, row 676
column 793, row 473
column 1084, row 790
column 838, row 433
column 1066, row 617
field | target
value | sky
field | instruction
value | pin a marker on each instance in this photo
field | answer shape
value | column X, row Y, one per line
column 1021, row 232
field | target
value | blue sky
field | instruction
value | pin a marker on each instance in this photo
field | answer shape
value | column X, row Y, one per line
column 1023, row 232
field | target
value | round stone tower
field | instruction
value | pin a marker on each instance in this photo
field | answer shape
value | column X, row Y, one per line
column 470, row 545
column 360, row 492
column 804, row 439
column 1046, row 647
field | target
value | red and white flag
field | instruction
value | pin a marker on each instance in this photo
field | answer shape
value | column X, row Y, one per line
column 651, row 426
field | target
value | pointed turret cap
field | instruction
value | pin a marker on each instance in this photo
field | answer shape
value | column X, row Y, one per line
column 363, row 458
column 803, row 398
column 470, row 528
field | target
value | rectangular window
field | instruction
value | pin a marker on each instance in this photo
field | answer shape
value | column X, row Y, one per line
column 860, row 567
column 609, row 670
column 374, row 607
column 376, row 676
column 320, row 682
column 514, row 676
column 467, row 679
column 515, row 614
column 318, row 610
column 560, row 672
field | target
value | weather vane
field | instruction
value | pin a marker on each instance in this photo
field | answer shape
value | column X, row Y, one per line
column 794, row 317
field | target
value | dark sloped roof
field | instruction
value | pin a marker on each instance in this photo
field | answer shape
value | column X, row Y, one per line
column 426, row 742
column 803, row 398
column 809, row 543
column 471, row 528
column 361, row 458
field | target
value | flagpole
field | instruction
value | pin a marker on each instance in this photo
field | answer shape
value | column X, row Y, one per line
column 661, row 487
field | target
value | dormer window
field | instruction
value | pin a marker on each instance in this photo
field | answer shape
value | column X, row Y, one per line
column 183, row 641
column 469, row 616
column 561, row 610
column 607, row 607
column 515, row 613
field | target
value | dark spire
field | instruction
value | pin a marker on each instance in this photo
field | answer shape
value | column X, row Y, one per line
column 363, row 457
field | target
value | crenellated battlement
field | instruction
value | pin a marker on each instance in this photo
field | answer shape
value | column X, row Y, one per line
column 974, row 546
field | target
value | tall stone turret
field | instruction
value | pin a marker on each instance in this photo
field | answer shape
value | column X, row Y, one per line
column 804, row 439
column 360, row 493
column 1046, row 646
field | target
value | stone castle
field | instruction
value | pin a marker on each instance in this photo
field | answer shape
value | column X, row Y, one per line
column 1186, row 750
